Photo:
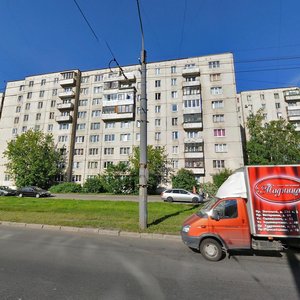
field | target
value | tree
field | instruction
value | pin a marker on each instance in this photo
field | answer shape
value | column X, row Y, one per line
column 184, row 179
column 273, row 143
column 33, row 159
column 220, row 177
column 93, row 185
column 117, row 179
column 158, row 169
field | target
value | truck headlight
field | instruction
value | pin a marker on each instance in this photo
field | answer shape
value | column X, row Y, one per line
column 186, row 228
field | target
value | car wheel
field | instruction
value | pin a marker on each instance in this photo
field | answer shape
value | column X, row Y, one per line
column 211, row 250
column 20, row 195
column 170, row 199
column 37, row 196
column 195, row 200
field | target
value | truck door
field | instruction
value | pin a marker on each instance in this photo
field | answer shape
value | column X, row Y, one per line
column 231, row 223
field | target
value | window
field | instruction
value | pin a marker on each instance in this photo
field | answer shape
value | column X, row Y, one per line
column 193, row 147
column 27, row 106
column 106, row 164
column 157, row 122
column 83, row 102
column 53, row 102
column 175, row 135
column 94, row 138
column 157, row 71
column 157, row 108
column 218, row 118
column 98, row 89
column 174, row 163
column 15, row 131
column 80, row 126
column 98, row 77
column 18, row 109
column 194, row 163
column 191, row 90
column 192, row 134
column 192, row 118
column 79, row 139
column 174, row 94
column 56, row 80
column 29, row 95
column 78, row 151
column 173, row 69
column 276, row 96
column 20, row 98
column 137, row 137
column 40, row 105
column 16, row 120
column 31, row 83
column 219, row 132
column 262, row 97
column 173, row 81
column 125, row 124
column 37, row 127
column 138, row 123
column 249, row 98
column 63, row 126
column 108, row 151
column 125, row 150
column 109, row 137
column 216, row 90
column 62, row 138
column 174, row 121
column 96, row 101
column 24, row 128
column 84, row 91
column 22, row 88
column 125, row 137
column 51, row 115
column 93, row 151
column 96, row 113
column 191, row 103
column 110, row 125
column 175, row 150
column 76, row 178
column 42, row 93
column 50, row 127
column 227, row 209
column 38, row 117
column 95, row 126
column 81, row 114
column 157, row 136
column 157, row 83
column 26, row 117
column 277, row 105
column 174, row 107
column 189, row 66
column 92, row 165
column 218, row 164
column 84, row 79
column 76, row 165
column 157, row 96
column 215, row 77
column 190, row 78
column 217, row 104
column 279, row 116
column 43, row 81
column 220, row 148
column 214, row 64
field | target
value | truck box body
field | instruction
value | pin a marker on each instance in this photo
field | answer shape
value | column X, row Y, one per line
column 256, row 207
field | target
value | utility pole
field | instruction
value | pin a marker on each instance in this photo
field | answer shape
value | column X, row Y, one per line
column 143, row 171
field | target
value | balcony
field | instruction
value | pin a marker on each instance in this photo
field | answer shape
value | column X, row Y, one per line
column 193, row 140
column 116, row 116
column 293, row 113
column 63, row 119
column 191, row 71
column 67, row 82
column 65, row 106
column 193, row 155
column 117, row 102
column 197, row 171
column 66, row 94
column 191, row 83
column 197, row 125
column 294, row 97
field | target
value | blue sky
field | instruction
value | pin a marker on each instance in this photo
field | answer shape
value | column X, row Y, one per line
column 41, row 36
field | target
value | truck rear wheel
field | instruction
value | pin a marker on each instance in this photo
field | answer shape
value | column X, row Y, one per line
column 211, row 250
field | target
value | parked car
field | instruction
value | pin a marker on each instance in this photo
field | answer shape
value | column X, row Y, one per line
column 179, row 195
column 6, row 191
column 32, row 191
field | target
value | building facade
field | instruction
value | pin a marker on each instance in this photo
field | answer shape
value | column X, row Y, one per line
column 94, row 115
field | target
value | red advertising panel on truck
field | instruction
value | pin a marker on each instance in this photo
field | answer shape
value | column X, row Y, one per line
column 274, row 200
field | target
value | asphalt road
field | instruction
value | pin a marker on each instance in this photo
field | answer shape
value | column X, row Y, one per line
column 39, row 264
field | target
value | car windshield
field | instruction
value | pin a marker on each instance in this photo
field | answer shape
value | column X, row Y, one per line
column 207, row 207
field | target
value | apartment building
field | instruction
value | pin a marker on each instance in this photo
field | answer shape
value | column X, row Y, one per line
column 94, row 115
column 274, row 103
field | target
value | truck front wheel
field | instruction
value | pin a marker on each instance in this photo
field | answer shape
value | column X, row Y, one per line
column 211, row 250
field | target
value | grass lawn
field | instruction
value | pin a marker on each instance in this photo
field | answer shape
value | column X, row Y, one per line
column 122, row 215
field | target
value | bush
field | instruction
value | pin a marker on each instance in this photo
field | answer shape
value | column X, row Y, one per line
column 66, row 187
column 93, row 185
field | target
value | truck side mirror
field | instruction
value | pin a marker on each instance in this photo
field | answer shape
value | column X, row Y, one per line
column 215, row 215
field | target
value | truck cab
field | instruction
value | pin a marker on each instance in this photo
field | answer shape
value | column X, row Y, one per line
column 221, row 224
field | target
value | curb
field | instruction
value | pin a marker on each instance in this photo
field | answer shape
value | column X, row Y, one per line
column 97, row 231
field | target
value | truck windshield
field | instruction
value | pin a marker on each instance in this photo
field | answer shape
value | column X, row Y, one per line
column 206, row 207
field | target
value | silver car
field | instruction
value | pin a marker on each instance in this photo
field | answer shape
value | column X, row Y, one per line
column 179, row 195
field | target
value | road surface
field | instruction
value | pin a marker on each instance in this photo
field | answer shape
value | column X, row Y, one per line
column 40, row 264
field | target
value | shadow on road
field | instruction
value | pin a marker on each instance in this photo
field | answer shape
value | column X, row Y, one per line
column 294, row 264
column 233, row 253
column 157, row 221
